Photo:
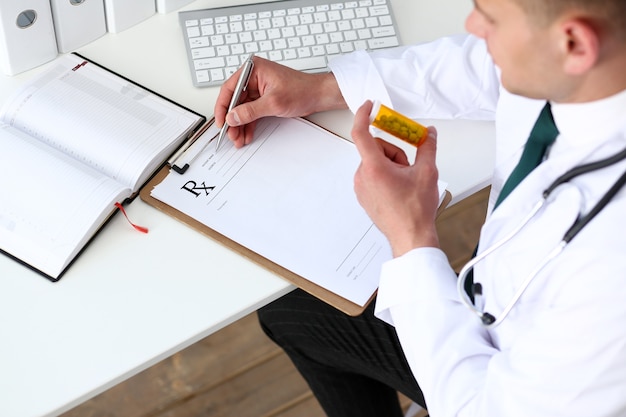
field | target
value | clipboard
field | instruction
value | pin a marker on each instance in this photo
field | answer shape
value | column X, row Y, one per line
column 346, row 306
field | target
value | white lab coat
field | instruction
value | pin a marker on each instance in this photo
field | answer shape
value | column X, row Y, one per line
column 562, row 349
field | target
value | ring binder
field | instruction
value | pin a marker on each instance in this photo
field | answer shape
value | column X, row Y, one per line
column 122, row 14
column 166, row 6
column 77, row 22
column 27, row 37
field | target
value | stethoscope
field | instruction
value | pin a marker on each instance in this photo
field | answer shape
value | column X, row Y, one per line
column 489, row 320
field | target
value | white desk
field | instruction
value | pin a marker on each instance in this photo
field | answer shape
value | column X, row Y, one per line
column 132, row 300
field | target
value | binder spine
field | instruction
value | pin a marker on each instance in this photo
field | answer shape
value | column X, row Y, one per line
column 166, row 6
column 27, row 37
column 122, row 14
column 77, row 22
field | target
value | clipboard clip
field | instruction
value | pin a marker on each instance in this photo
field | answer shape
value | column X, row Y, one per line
column 188, row 153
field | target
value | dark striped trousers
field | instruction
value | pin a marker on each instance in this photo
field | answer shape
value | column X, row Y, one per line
column 353, row 365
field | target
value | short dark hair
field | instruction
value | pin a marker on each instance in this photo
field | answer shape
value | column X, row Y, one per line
column 604, row 14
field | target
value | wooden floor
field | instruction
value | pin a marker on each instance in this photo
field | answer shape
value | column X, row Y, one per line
column 238, row 372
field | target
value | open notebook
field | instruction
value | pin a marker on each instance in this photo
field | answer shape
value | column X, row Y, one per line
column 74, row 142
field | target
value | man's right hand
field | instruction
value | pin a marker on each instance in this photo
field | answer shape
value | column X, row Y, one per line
column 274, row 90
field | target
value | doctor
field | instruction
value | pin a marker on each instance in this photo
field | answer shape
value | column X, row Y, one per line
column 544, row 332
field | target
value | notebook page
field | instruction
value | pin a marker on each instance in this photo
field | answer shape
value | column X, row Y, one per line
column 289, row 197
column 99, row 119
column 50, row 204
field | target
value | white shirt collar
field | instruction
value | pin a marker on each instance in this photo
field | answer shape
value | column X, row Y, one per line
column 579, row 122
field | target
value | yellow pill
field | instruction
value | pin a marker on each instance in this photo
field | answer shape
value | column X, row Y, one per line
column 397, row 124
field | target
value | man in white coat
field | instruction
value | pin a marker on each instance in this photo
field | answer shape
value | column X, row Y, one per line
column 544, row 332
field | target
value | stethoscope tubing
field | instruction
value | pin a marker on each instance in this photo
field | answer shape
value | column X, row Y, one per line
column 490, row 321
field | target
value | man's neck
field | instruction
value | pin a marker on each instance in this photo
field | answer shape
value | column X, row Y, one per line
column 606, row 79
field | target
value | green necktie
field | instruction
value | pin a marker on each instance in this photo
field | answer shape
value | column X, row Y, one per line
column 541, row 137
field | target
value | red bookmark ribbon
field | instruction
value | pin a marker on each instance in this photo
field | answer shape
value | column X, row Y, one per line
column 137, row 227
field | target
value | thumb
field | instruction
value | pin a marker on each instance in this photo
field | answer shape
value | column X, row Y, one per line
column 247, row 112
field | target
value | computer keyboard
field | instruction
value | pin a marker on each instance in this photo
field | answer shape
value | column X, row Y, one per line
column 302, row 34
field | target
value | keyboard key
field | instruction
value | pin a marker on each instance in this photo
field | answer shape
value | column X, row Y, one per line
column 318, row 50
column 199, row 42
column 348, row 14
column 217, row 75
column 221, row 28
column 334, row 15
column 280, row 43
column 322, row 39
column 206, row 52
column 309, row 40
column 302, row 30
column 287, row 32
column 332, row 49
column 360, row 45
column 385, row 20
column 344, row 25
column 304, row 52
column 346, row 47
column 379, row 11
column 208, row 63
column 245, row 37
column 193, row 31
column 232, row 61
column 275, row 55
column 236, row 27
column 217, row 40
column 290, row 54
column 316, row 28
column 294, row 42
column 251, row 47
column 361, row 12
column 378, row 43
column 237, row 49
column 383, row 32
column 316, row 62
column 203, row 76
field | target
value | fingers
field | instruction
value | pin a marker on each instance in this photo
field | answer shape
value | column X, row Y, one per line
column 427, row 152
column 380, row 153
column 369, row 148
column 364, row 141
column 241, row 135
column 393, row 152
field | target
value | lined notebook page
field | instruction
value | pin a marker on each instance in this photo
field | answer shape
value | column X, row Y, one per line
column 53, row 202
column 112, row 125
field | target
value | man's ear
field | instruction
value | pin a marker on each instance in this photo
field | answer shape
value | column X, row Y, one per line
column 581, row 46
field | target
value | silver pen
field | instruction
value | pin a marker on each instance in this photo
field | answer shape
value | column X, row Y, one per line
column 241, row 86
